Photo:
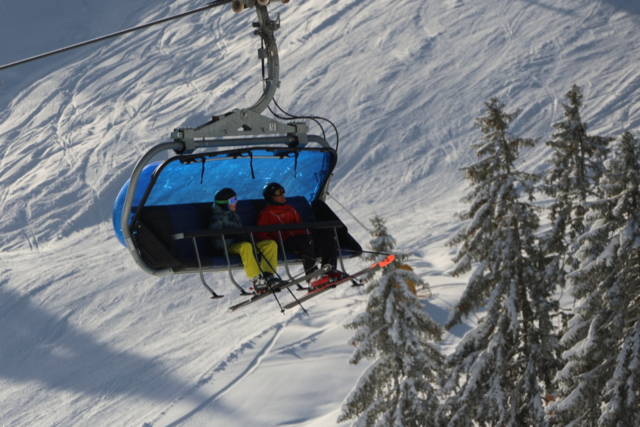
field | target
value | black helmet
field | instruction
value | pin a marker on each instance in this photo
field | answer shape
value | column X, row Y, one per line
column 269, row 191
column 224, row 195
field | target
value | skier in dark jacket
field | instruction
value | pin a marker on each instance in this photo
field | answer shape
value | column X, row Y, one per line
column 225, row 216
column 321, row 243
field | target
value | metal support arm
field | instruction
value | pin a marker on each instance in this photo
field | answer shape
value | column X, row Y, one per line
column 266, row 30
column 249, row 121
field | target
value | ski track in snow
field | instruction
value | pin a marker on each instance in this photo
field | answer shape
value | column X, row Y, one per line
column 197, row 406
column 89, row 339
column 208, row 391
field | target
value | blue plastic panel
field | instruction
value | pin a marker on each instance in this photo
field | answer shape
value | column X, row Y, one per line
column 303, row 175
column 198, row 182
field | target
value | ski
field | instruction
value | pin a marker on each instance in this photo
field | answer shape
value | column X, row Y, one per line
column 279, row 287
column 315, row 292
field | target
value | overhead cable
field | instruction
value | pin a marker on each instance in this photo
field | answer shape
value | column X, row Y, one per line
column 119, row 33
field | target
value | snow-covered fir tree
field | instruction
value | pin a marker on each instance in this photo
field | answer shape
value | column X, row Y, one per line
column 576, row 168
column 496, row 374
column 398, row 389
column 600, row 383
column 381, row 244
column 577, row 165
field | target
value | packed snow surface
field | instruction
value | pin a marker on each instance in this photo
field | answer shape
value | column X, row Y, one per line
column 86, row 338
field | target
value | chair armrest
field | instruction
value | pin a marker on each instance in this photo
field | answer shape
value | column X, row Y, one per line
column 258, row 229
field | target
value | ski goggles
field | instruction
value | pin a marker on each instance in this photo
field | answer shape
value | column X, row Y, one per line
column 231, row 201
column 279, row 192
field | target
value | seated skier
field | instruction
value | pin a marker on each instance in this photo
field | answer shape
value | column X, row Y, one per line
column 321, row 243
column 225, row 216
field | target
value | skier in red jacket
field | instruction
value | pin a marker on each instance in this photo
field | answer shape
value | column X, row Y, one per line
column 321, row 243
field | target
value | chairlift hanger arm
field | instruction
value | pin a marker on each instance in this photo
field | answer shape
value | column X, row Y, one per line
column 249, row 121
column 265, row 30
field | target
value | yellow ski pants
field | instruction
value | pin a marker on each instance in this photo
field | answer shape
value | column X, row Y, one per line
column 269, row 251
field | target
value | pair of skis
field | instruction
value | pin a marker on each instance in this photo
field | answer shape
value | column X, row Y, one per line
column 315, row 291
column 283, row 285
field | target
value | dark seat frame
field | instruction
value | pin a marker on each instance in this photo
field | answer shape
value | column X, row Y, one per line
column 193, row 235
column 163, row 234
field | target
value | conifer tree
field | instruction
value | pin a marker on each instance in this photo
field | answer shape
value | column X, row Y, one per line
column 494, row 376
column 600, row 383
column 381, row 244
column 398, row 389
column 577, row 167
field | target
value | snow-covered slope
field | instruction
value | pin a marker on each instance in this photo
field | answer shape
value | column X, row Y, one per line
column 88, row 339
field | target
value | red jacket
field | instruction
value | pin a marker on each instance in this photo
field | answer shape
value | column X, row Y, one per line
column 273, row 215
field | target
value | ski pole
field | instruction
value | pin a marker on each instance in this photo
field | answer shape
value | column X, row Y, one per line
column 298, row 301
column 271, row 288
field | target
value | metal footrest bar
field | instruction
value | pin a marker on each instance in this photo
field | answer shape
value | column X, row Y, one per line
column 207, row 287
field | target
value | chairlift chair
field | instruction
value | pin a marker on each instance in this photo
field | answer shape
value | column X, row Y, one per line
column 162, row 213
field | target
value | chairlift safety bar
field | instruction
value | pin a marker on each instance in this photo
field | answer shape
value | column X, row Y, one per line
column 258, row 229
